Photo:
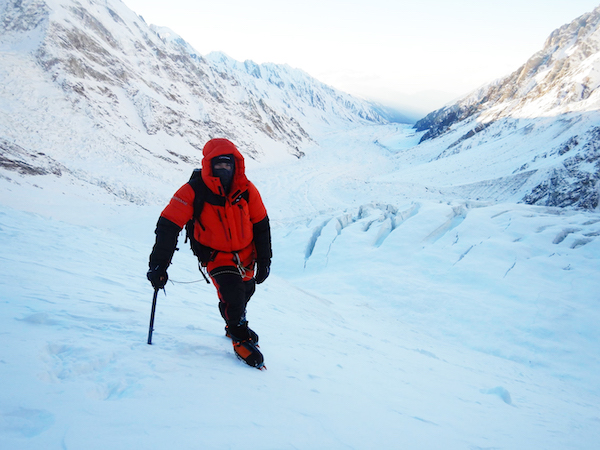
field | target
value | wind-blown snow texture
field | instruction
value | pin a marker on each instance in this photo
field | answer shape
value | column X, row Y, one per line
column 393, row 318
column 413, row 302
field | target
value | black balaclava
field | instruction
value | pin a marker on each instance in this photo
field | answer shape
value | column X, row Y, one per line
column 225, row 175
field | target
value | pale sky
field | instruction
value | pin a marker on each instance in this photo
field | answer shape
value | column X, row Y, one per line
column 419, row 53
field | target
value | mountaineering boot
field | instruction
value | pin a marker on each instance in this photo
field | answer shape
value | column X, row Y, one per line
column 248, row 352
column 244, row 347
column 252, row 335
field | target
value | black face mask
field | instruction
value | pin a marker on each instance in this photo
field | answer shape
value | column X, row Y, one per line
column 226, row 177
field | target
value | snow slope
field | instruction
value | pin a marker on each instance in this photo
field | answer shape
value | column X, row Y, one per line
column 397, row 315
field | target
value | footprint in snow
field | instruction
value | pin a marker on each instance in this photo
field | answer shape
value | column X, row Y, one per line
column 25, row 422
column 499, row 391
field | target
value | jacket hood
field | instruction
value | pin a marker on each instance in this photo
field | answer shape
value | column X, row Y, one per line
column 217, row 147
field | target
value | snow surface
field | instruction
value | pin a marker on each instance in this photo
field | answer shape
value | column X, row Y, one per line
column 397, row 316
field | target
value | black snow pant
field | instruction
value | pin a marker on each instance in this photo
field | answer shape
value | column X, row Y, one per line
column 234, row 294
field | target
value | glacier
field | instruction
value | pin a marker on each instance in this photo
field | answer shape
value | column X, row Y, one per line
column 395, row 317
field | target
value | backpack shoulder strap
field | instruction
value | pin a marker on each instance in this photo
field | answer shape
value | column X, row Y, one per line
column 203, row 194
column 200, row 192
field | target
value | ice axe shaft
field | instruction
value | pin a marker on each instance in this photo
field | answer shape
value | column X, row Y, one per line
column 151, row 329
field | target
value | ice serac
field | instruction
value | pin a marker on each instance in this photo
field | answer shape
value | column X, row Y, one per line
column 556, row 88
column 135, row 88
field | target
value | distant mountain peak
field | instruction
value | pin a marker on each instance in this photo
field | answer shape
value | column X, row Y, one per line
column 562, row 77
column 559, row 84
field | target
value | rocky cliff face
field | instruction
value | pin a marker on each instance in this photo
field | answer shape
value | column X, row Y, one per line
column 142, row 90
column 560, row 82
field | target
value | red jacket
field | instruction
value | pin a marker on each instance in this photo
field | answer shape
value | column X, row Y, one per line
column 228, row 227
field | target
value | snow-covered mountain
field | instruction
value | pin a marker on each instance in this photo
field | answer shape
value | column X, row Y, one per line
column 126, row 93
column 400, row 313
column 547, row 109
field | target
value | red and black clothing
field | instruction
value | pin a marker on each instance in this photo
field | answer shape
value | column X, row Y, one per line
column 232, row 228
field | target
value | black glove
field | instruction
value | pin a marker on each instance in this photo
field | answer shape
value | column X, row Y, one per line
column 262, row 271
column 157, row 275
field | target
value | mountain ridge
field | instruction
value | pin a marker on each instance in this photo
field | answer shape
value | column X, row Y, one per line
column 562, row 77
column 560, row 83
column 145, row 93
